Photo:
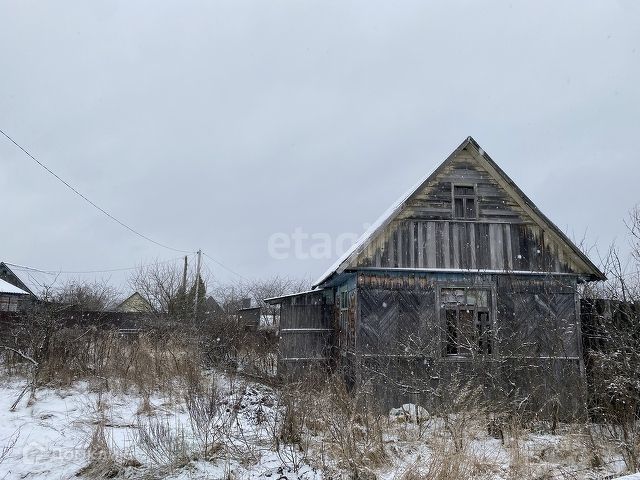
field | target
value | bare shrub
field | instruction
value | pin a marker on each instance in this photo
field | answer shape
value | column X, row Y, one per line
column 165, row 445
column 102, row 461
column 353, row 428
column 84, row 295
column 290, row 432
column 204, row 408
column 8, row 445
column 446, row 463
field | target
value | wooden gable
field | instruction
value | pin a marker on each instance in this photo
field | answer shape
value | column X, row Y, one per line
column 507, row 231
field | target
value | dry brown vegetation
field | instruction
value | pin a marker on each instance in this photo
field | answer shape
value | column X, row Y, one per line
column 314, row 419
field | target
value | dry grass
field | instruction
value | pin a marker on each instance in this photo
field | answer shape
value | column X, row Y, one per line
column 447, row 463
column 318, row 420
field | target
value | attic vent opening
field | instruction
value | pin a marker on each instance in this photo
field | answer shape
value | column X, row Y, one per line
column 464, row 202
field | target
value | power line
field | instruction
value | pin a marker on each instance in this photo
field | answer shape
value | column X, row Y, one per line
column 132, row 230
column 57, row 272
column 224, row 266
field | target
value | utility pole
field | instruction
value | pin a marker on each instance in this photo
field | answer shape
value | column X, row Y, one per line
column 184, row 305
column 184, row 276
column 195, row 306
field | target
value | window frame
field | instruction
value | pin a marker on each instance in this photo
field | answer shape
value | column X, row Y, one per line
column 348, row 333
column 9, row 303
column 477, row 350
column 464, row 197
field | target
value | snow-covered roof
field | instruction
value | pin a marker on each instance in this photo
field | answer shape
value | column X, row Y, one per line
column 275, row 299
column 6, row 287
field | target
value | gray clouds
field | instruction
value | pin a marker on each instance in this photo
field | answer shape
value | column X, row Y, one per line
column 216, row 124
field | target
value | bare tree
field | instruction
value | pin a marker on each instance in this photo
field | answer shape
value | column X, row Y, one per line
column 162, row 285
column 95, row 295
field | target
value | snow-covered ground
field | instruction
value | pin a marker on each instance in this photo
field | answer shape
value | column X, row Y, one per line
column 64, row 432
column 52, row 435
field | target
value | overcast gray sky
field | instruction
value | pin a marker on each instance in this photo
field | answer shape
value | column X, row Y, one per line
column 216, row 124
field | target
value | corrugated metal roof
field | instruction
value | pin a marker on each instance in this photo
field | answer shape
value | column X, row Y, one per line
column 6, row 287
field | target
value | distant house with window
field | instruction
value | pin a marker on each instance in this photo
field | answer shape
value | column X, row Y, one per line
column 462, row 278
column 12, row 298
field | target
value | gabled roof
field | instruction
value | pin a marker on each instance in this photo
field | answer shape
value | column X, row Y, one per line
column 135, row 303
column 6, row 287
column 388, row 216
column 10, row 277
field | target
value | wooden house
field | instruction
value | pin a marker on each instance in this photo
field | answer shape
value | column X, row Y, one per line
column 9, row 276
column 15, row 295
column 12, row 298
column 464, row 278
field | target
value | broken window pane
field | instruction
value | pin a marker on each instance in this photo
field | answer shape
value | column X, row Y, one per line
column 470, row 210
column 459, row 203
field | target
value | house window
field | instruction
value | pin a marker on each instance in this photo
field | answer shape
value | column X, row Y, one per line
column 467, row 322
column 8, row 303
column 464, row 202
column 344, row 318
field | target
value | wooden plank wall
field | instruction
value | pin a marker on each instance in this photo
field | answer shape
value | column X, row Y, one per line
column 466, row 245
column 434, row 202
column 538, row 356
column 306, row 331
column 503, row 237
column 396, row 314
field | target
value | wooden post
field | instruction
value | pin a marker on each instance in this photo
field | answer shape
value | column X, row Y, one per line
column 195, row 306
column 184, row 276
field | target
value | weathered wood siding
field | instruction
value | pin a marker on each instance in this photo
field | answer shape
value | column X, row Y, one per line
column 400, row 335
column 306, row 332
column 397, row 315
column 538, row 317
column 503, row 237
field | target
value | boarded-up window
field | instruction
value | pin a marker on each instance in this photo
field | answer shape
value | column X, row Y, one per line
column 464, row 202
column 467, row 322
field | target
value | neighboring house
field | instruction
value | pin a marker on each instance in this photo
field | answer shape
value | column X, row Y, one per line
column 9, row 276
column 15, row 295
column 136, row 303
column 12, row 298
column 463, row 277
column 213, row 308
